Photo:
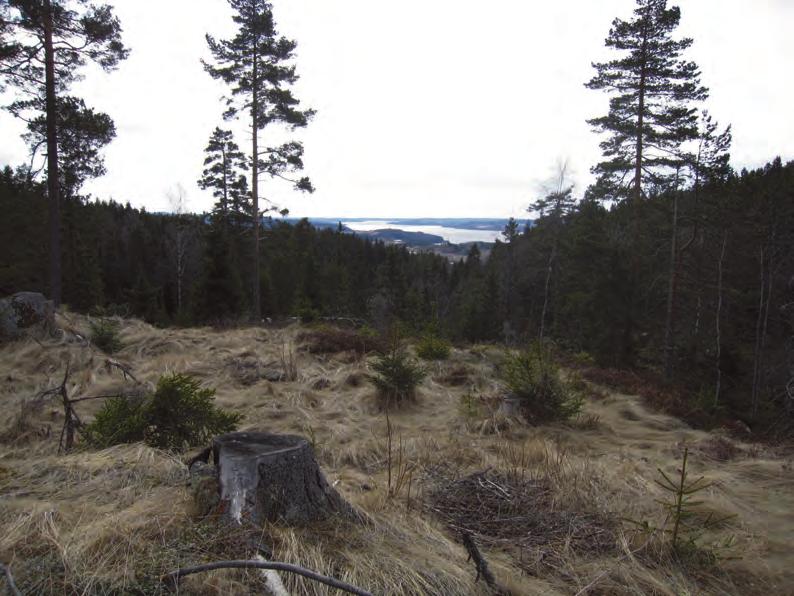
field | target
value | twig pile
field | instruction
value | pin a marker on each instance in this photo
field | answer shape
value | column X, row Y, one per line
column 507, row 512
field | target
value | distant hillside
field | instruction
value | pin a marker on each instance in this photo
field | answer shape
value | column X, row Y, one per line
column 395, row 236
column 460, row 223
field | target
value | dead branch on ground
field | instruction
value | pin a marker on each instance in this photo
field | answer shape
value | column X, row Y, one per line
column 72, row 423
column 172, row 579
column 126, row 371
column 12, row 587
column 479, row 562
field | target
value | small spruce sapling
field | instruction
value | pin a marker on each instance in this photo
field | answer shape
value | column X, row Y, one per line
column 682, row 512
column 681, row 508
column 397, row 376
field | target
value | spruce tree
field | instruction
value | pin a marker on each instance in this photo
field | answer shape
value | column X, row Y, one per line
column 43, row 45
column 220, row 294
column 650, row 115
column 257, row 64
column 223, row 174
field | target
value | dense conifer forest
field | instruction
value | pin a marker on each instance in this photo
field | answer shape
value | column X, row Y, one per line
column 733, row 269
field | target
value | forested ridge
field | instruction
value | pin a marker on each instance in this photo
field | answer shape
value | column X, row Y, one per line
column 123, row 260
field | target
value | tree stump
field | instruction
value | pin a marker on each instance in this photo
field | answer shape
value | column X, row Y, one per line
column 269, row 477
column 511, row 406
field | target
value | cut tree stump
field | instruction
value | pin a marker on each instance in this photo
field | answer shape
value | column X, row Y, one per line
column 269, row 477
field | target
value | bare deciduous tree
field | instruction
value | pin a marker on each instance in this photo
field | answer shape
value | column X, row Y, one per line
column 181, row 239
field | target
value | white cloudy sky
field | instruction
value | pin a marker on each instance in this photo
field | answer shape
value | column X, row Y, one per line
column 425, row 107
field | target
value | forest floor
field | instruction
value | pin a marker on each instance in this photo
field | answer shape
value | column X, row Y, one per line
column 547, row 505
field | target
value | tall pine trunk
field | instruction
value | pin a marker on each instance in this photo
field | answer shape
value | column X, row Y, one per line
column 256, row 306
column 640, row 121
column 52, row 159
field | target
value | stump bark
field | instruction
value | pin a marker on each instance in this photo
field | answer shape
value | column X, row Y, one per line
column 269, row 477
column 510, row 406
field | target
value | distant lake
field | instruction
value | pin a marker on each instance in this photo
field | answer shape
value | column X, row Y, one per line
column 453, row 235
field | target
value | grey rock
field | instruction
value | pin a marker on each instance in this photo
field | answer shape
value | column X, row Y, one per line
column 274, row 376
column 25, row 311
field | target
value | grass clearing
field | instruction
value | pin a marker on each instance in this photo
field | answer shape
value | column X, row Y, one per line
column 113, row 520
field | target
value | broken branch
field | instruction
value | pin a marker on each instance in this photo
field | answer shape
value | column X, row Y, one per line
column 12, row 587
column 172, row 579
column 479, row 562
column 126, row 371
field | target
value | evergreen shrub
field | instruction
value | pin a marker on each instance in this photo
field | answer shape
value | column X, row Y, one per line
column 534, row 377
column 180, row 414
column 432, row 347
column 105, row 335
column 397, row 376
column 306, row 312
column 121, row 420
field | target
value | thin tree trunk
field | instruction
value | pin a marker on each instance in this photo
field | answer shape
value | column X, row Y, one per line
column 52, row 159
column 699, row 298
column 225, row 208
column 718, row 319
column 549, row 268
column 510, row 276
column 758, row 334
column 669, row 348
column 180, row 264
column 771, row 279
column 759, row 357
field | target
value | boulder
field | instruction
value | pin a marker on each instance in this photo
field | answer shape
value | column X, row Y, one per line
column 23, row 312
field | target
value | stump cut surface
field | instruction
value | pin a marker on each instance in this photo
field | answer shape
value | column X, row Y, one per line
column 270, row 477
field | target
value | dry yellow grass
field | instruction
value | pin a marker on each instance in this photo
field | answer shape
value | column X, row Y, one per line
column 111, row 521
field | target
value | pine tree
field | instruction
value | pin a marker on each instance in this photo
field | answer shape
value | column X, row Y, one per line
column 650, row 113
column 43, row 45
column 256, row 64
column 82, row 133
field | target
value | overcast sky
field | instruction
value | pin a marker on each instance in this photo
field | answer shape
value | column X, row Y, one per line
column 426, row 108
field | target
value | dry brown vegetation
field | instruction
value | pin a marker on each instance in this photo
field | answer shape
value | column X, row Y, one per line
column 544, row 504
column 332, row 340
